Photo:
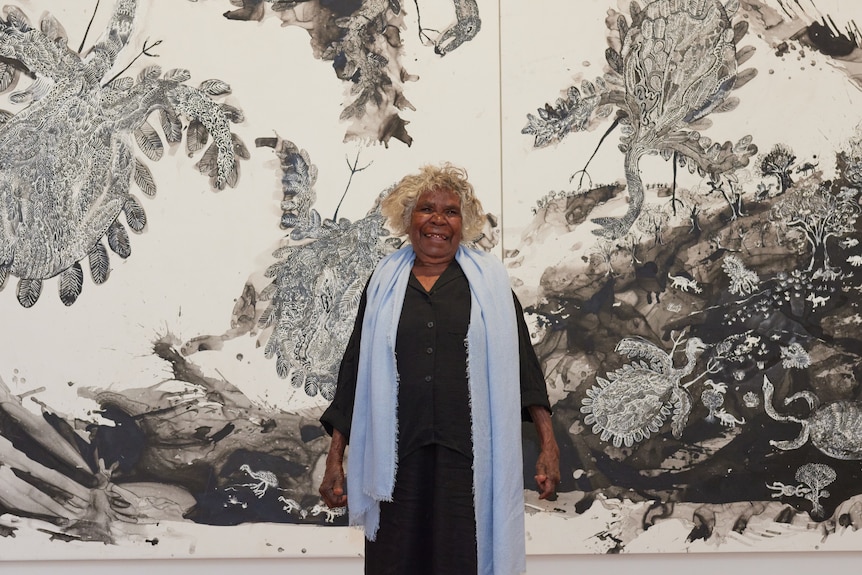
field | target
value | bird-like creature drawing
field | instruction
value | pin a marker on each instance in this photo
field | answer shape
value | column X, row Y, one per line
column 465, row 28
column 636, row 399
column 670, row 66
column 263, row 480
column 67, row 160
column 834, row 428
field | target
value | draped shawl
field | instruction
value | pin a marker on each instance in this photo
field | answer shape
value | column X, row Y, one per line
column 495, row 405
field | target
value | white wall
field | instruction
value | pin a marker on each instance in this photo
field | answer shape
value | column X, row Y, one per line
column 653, row 564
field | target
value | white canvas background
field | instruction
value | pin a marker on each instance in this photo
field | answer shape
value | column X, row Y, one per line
column 200, row 247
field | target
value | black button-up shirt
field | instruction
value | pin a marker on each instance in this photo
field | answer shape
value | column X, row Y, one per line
column 431, row 355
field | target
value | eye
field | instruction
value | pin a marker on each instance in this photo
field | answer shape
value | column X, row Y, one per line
column 453, row 212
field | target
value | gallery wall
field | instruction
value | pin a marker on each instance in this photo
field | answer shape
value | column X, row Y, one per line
column 173, row 312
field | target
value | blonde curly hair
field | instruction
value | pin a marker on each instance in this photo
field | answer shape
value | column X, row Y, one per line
column 398, row 205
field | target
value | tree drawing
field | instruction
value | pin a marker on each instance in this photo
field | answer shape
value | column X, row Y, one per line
column 821, row 213
column 816, row 476
column 66, row 160
column 779, row 164
column 670, row 66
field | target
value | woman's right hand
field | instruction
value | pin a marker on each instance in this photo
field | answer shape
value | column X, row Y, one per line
column 332, row 487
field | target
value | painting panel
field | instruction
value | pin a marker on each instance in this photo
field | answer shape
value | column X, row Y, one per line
column 681, row 206
column 200, row 215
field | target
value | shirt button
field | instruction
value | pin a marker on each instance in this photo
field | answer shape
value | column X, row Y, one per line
column 430, row 324
column 429, row 350
column 428, row 378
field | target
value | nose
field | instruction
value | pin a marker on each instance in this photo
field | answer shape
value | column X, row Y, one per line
column 438, row 217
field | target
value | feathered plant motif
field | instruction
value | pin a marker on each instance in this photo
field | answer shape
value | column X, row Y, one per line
column 316, row 285
column 66, row 165
column 673, row 63
column 743, row 281
column 363, row 41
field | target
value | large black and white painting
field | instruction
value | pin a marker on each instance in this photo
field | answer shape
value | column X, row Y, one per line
column 683, row 228
column 189, row 195
column 189, row 214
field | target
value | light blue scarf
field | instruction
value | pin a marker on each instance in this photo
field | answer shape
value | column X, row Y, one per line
column 495, row 401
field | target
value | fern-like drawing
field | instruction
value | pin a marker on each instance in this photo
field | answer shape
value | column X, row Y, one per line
column 636, row 399
column 670, row 66
column 67, row 160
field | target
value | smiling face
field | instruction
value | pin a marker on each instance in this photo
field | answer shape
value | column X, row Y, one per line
column 435, row 226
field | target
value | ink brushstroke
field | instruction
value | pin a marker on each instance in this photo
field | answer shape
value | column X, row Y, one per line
column 304, row 316
column 362, row 39
column 670, row 65
column 305, row 313
column 756, row 280
column 66, row 163
column 191, row 448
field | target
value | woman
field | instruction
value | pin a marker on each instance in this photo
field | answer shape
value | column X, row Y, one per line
column 434, row 383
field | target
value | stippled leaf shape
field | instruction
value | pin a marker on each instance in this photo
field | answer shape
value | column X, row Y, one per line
column 622, row 27
column 215, row 87
column 100, row 264
column 239, row 147
column 208, row 164
column 310, row 386
column 51, row 27
column 742, row 56
column 232, row 113
column 144, row 178
column 122, row 83
column 70, row 283
column 196, row 137
column 177, row 75
column 118, row 240
column 171, row 126
column 4, row 274
column 135, row 215
column 744, row 77
column 282, row 366
column 16, row 18
column 266, row 317
column 29, row 291
column 150, row 73
column 728, row 105
column 615, row 61
column 327, row 390
column 149, row 141
column 8, row 75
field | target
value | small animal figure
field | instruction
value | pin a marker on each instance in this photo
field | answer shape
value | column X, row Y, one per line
column 683, row 283
column 265, row 480
column 289, row 505
column 728, row 419
column 817, row 300
column 331, row 514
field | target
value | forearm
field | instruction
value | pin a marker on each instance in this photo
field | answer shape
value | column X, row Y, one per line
column 337, row 447
column 544, row 428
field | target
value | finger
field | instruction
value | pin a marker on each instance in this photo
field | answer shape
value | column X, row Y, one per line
column 547, row 490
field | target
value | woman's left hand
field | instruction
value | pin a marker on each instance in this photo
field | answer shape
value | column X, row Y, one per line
column 548, row 472
column 548, row 464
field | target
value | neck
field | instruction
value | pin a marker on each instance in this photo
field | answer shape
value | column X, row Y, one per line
column 427, row 272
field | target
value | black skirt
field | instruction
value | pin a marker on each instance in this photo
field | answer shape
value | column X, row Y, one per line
column 429, row 528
